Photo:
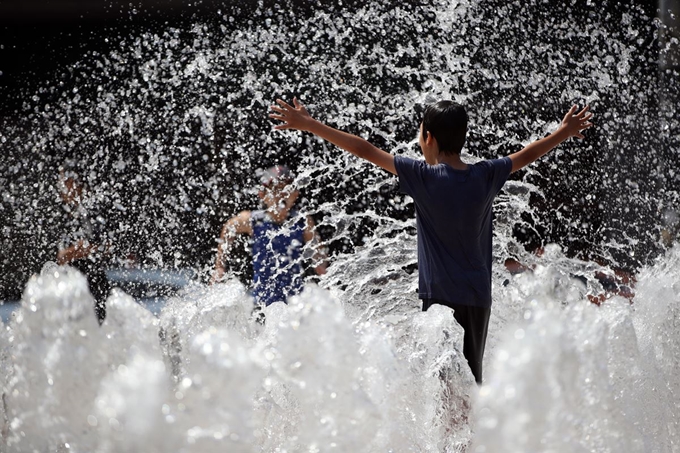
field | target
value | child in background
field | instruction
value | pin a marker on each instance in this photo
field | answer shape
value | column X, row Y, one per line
column 85, row 246
column 278, row 234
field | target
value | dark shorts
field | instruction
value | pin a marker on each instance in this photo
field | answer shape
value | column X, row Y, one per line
column 475, row 323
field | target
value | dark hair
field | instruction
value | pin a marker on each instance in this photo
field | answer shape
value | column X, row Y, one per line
column 277, row 174
column 447, row 122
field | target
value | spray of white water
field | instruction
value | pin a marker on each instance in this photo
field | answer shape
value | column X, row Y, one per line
column 170, row 128
column 325, row 375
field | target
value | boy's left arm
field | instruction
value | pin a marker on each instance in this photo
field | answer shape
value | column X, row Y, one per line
column 572, row 125
column 319, row 257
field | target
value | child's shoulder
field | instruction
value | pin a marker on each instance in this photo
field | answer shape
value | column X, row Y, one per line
column 243, row 216
column 493, row 164
column 493, row 161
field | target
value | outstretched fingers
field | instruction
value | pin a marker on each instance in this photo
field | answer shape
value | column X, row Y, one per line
column 569, row 114
column 583, row 112
column 298, row 105
column 584, row 118
column 584, row 115
column 285, row 124
column 280, row 114
column 284, row 105
column 292, row 117
column 577, row 122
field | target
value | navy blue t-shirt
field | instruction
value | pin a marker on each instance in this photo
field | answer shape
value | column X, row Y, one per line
column 453, row 218
column 277, row 254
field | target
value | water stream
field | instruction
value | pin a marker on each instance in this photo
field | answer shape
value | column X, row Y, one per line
column 169, row 131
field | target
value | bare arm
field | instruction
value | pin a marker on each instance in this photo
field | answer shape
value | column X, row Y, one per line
column 239, row 224
column 319, row 257
column 79, row 250
column 572, row 125
column 298, row 118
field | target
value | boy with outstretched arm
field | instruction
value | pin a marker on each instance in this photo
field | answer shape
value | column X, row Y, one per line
column 453, row 203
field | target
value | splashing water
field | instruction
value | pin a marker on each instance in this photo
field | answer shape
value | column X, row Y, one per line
column 169, row 130
column 324, row 375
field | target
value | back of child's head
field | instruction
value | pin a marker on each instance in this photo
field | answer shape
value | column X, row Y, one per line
column 447, row 122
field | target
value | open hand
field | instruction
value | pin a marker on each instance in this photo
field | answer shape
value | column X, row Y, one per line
column 574, row 123
column 295, row 117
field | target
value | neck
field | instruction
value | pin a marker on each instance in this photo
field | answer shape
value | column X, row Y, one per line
column 453, row 160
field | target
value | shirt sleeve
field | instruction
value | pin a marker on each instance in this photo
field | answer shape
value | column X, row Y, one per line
column 500, row 171
column 410, row 173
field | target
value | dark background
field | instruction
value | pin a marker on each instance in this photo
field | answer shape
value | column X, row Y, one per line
column 41, row 42
column 40, row 39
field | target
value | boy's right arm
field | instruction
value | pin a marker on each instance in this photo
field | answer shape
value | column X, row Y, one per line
column 572, row 125
column 239, row 224
column 298, row 118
